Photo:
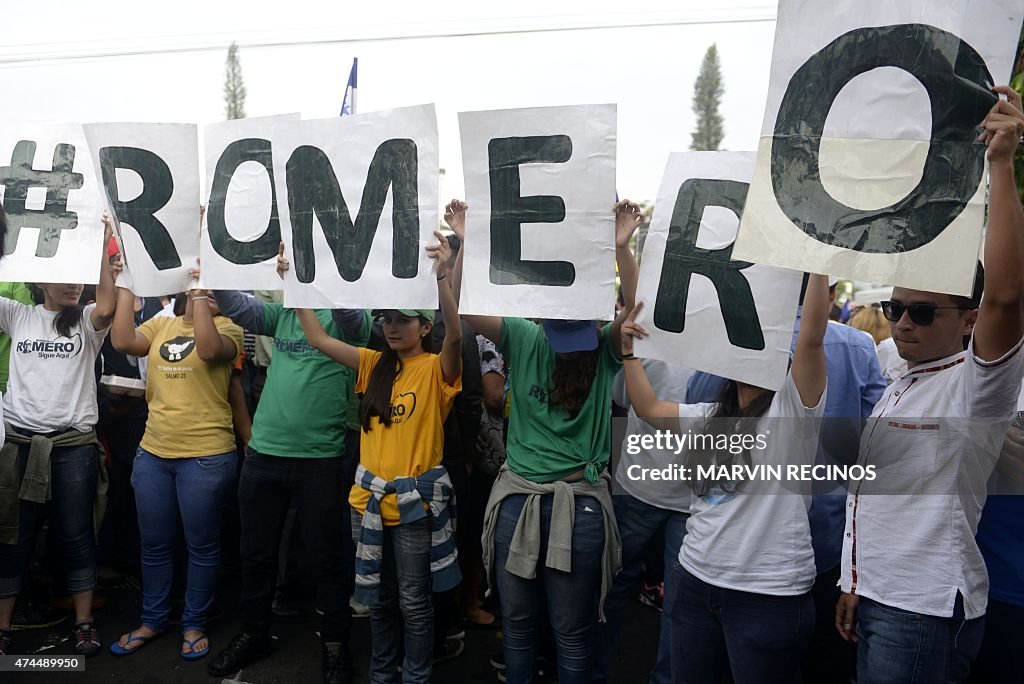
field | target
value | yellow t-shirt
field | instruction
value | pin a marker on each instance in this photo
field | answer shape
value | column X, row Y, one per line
column 189, row 413
column 413, row 444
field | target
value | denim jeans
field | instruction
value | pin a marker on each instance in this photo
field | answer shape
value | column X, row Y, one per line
column 762, row 637
column 195, row 489
column 638, row 526
column 898, row 646
column 405, row 599
column 316, row 485
column 570, row 597
column 73, row 476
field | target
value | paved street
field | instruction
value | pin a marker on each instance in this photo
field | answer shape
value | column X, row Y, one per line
column 296, row 658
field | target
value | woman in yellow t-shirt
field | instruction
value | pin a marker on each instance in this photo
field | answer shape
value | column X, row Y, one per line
column 402, row 492
column 186, row 461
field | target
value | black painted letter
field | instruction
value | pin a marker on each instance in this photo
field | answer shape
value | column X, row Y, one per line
column 959, row 87
column 683, row 259
column 313, row 188
column 509, row 210
column 139, row 213
column 265, row 246
column 54, row 216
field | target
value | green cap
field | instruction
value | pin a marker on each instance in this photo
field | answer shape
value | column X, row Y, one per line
column 428, row 314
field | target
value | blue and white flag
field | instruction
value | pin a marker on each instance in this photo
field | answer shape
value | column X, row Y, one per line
column 348, row 105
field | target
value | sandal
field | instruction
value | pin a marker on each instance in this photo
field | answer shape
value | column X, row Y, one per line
column 118, row 650
column 193, row 654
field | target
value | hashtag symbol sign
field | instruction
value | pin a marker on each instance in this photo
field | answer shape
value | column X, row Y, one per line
column 54, row 216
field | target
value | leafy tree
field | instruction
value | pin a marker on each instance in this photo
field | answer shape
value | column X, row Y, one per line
column 234, row 88
column 707, row 95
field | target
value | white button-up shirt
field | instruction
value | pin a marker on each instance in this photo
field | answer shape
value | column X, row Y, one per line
column 934, row 438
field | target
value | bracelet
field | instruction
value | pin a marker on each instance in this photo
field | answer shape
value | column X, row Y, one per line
column 627, row 357
column 630, row 358
column 442, row 277
column 195, row 299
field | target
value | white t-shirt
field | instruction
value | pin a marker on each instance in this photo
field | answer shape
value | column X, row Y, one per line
column 52, row 385
column 753, row 540
column 934, row 439
column 669, row 383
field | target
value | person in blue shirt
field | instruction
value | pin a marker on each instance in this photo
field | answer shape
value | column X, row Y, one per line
column 855, row 386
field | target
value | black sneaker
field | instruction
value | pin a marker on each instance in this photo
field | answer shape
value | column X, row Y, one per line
column 451, row 650
column 6, row 637
column 86, row 639
column 244, row 649
column 498, row 661
column 28, row 615
column 336, row 665
column 455, row 632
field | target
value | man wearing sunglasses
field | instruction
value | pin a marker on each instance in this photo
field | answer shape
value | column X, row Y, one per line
column 914, row 582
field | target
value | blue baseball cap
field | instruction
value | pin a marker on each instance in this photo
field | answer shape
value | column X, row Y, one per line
column 566, row 337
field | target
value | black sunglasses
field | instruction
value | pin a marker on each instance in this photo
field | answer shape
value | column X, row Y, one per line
column 921, row 314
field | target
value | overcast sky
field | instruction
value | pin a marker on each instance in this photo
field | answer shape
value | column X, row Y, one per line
column 644, row 57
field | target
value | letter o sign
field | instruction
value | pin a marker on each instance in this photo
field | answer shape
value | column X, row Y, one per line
column 959, row 88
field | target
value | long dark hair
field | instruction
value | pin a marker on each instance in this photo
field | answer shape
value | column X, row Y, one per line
column 731, row 419
column 572, row 380
column 67, row 318
column 376, row 400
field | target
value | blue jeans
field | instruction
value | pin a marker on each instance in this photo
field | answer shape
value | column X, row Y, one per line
column 404, row 598
column 73, row 476
column 902, row 647
column 762, row 637
column 570, row 597
column 197, row 489
column 638, row 525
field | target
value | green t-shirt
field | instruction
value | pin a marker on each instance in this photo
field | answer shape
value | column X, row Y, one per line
column 543, row 444
column 19, row 292
column 303, row 412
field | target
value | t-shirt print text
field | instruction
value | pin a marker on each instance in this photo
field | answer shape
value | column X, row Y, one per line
column 58, row 348
column 539, row 392
column 403, row 407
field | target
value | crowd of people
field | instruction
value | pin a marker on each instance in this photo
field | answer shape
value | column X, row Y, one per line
column 427, row 456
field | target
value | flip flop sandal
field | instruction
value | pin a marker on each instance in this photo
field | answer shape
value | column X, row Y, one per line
column 193, row 654
column 118, row 650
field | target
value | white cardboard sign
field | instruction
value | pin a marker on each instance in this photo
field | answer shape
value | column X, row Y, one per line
column 53, row 201
column 370, row 181
column 150, row 176
column 702, row 307
column 540, row 233
column 868, row 164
